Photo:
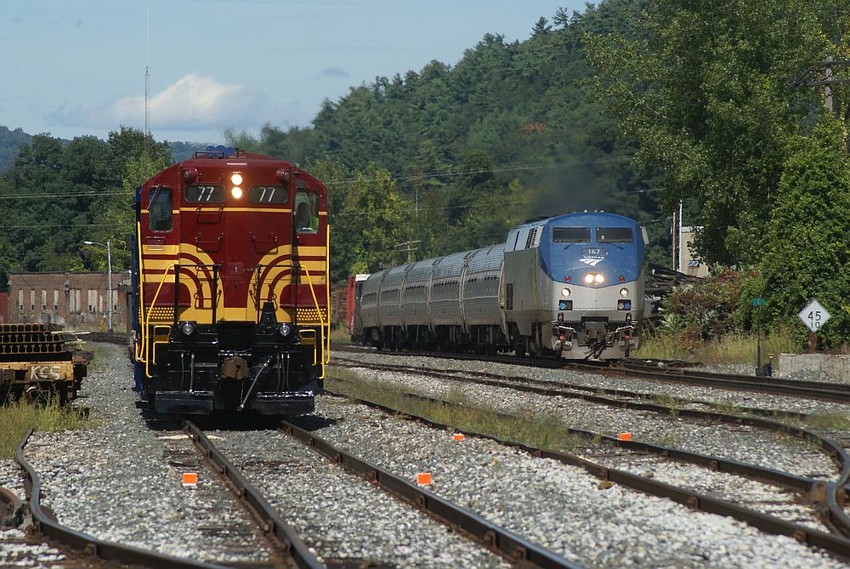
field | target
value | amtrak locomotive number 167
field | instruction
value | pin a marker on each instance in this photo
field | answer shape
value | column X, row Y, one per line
column 571, row 285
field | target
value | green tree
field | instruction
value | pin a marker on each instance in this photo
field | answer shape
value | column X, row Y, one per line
column 377, row 221
column 704, row 92
column 131, row 158
column 808, row 231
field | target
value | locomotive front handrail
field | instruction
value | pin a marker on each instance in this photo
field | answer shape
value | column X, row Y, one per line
column 146, row 346
column 324, row 339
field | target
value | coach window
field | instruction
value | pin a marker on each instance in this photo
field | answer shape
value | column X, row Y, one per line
column 159, row 209
column 306, row 211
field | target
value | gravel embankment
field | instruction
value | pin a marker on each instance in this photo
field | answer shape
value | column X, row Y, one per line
column 115, row 482
column 570, row 504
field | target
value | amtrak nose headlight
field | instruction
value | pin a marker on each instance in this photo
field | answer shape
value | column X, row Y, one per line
column 624, row 291
column 285, row 329
column 187, row 328
column 565, row 292
column 594, row 278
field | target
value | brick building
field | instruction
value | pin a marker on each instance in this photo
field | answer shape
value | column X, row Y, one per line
column 73, row 301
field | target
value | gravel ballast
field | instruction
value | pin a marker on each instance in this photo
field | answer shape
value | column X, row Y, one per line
column 116, row 482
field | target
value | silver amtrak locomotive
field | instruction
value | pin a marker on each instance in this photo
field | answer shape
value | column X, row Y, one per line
column 570, row 286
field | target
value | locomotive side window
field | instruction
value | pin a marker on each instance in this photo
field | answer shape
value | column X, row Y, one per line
column 306, row 211
column 268, row 194
column 159, row 209
column 614, row 235
column 204, row 193
column 570, row 235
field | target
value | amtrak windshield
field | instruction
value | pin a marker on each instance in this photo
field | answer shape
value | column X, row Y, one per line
column 570, row 235
column 614, row 235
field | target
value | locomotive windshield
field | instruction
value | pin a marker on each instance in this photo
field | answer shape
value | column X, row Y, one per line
column 614, row 235
column 570, row 235
column 159, row 209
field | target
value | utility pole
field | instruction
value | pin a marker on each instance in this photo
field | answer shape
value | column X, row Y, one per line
column 823, row 74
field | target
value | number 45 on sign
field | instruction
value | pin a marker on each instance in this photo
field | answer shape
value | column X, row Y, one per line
column 814, row 315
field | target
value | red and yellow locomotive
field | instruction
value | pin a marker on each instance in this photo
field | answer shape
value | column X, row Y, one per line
column 231, row 286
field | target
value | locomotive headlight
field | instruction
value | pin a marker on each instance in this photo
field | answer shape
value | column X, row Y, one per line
column 588, row 278
column 236, row 192
column 236, row 179
column 624, row 291
column 285, row 330
column 187, row 328
column 599, row 278
column 565, row 292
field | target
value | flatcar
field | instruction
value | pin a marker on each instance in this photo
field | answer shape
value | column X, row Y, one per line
column 230, row 286
column 571, row 286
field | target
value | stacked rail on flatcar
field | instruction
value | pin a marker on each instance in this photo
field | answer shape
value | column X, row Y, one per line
column 39, row 363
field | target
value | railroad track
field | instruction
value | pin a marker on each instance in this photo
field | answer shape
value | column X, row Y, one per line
column 490, row 536
column 827, row 496
column 270, row 522
column 824, row 391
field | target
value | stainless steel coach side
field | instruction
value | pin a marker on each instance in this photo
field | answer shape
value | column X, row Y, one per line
column 389, row 307
column 369, row 308
column 446, row 308
column 415, row 311
column 481, row 298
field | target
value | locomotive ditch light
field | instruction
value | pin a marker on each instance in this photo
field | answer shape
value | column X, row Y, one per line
column 187, row 328
column 624, row 291
column 285, row 329
column 565, row 292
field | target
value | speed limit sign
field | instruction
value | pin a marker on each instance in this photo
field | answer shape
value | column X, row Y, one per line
column 814, row 315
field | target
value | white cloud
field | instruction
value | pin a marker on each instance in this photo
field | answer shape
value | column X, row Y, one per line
column 192, row 103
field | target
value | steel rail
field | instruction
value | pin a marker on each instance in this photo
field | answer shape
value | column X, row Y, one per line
column 491, row 536
column 835, row 392
column 290, row 543
column 832, row 494
column 85, row 544
column 835, row 544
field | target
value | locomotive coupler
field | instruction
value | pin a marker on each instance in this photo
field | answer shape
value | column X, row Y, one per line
column 564, row 335
column 624, row 334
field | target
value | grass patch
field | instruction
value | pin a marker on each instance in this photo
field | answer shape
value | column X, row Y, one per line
column 835, row 421
column 462, row 414
column 16, row 420
column 734, row 348
column 339, row 336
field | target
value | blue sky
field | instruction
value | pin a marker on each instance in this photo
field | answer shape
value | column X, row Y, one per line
column 77, row 67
